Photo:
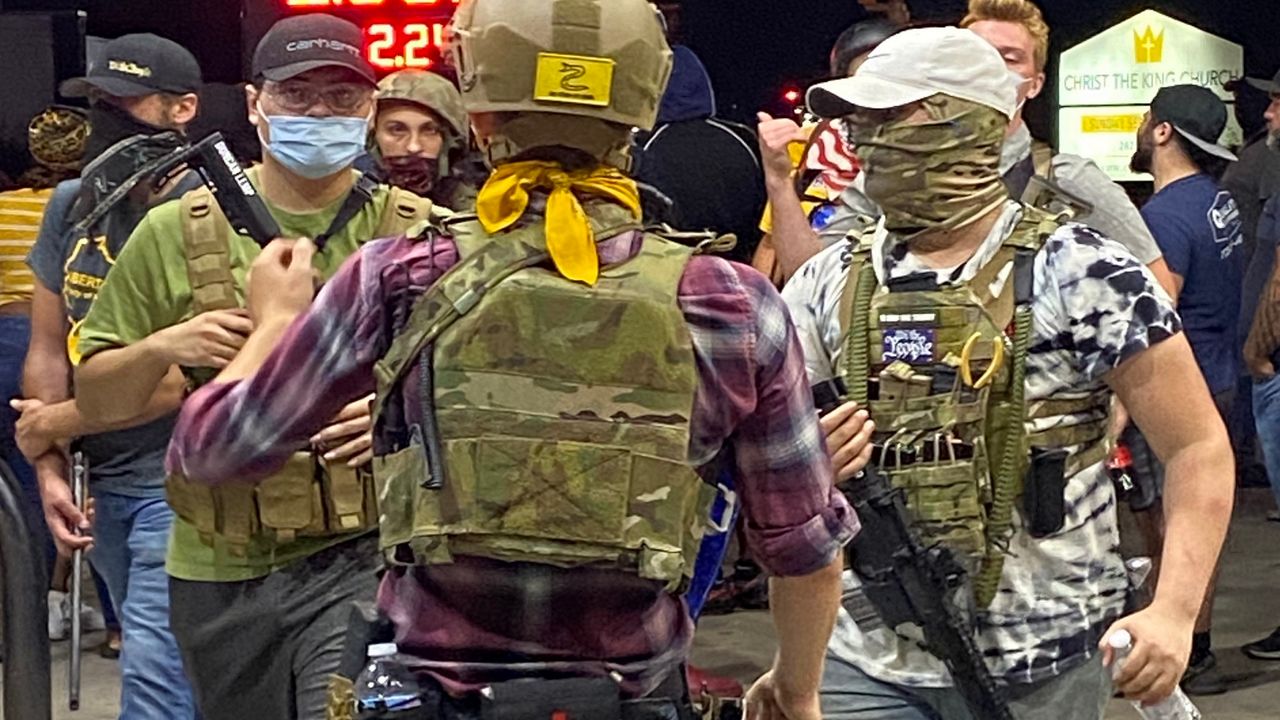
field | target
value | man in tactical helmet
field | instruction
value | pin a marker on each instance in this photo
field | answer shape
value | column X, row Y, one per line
column 982, row 341
column 142, row 93
column 259, row 581
column 422, row 140
column 556, row 389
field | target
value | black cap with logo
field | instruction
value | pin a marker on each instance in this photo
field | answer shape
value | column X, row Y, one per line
column 306, row 42
column 1196, row 113
column 137, row 65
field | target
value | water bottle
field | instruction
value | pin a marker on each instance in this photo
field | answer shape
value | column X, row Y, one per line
column 1175, row 707
column 385, row 684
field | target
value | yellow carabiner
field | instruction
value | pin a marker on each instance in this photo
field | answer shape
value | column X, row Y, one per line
column 966, row 357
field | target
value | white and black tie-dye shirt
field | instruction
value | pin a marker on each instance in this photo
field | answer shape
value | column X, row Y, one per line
column 1094, row 307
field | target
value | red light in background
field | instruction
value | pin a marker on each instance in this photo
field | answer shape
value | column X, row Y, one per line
column 792, row 96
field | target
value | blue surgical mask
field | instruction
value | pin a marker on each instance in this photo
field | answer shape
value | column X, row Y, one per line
column 316, row 147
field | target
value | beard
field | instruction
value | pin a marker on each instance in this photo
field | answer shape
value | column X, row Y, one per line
column 1140, row 163
column 1273, row 140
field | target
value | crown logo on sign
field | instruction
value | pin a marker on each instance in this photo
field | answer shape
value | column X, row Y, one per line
column 1148, row 47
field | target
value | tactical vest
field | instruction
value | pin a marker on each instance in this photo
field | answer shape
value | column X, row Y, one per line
column 555, row 416
column 943, row 372
column 307, row 498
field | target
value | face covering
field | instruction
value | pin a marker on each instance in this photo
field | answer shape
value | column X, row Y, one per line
column 315, row 147
column 109, row 124
column 414, row 173
column 940, row 174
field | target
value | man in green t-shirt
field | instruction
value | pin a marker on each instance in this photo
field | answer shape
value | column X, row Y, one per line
column 261, row 581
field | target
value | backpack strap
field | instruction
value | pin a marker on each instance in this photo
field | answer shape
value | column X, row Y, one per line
column 403, row 211
column 206, row 240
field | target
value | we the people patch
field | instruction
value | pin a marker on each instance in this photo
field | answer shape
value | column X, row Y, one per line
column 910, row 345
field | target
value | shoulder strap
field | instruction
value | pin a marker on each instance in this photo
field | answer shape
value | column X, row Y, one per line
column 206, row 239
column 1042, row 156
column 403, row 211
column 855, row 317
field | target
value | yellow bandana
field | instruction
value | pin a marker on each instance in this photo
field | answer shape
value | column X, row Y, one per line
column 570, row 239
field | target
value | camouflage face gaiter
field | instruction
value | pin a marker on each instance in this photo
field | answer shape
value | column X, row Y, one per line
column 937, row 174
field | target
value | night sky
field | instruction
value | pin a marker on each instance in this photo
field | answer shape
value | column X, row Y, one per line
column 755, row 49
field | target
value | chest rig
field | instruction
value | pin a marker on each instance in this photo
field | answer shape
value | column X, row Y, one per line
column 523, row 417
column 942, row 369
column 308, row 497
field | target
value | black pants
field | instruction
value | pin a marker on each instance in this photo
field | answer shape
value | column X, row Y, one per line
column 265, row 648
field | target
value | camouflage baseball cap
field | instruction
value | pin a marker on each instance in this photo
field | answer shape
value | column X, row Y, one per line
column 429, row 90
column 57, row 136
column 601, row 59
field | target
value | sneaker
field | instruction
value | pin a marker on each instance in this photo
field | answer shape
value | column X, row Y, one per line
column 59, row 615
column 1203, row 677
column 1268, row 648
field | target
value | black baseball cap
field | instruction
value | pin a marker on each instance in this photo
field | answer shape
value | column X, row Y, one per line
column 1196, row 113
column 1270, row 87
column 297, row 44
column 137, row 65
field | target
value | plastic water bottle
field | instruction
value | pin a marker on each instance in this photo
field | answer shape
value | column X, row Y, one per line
column 385, row 684
column 1175, row 707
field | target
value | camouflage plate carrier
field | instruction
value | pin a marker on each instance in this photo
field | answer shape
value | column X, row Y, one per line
column 560, row 412
column 307, row 498
column 959, row 441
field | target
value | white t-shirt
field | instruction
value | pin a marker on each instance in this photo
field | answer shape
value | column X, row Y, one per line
column 1094, row 306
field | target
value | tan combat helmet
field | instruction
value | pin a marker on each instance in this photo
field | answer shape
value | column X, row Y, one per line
column 578, row 73
column 429, row 90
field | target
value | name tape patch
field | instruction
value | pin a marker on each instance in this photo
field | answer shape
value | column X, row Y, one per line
column 574, row 79
column 910, row 345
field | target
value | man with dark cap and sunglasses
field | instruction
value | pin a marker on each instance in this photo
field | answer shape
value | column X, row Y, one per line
column 969, row 322
column 261, row 582
column 1198, row 227
column 142, row 92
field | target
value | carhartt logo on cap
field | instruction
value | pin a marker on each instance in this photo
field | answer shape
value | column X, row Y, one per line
column 321, row 44
column 129, row 68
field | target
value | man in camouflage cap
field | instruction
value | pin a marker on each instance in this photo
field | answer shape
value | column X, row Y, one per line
column 968, row 322
column 56, row 139
column 547, row 455
column 421, row 139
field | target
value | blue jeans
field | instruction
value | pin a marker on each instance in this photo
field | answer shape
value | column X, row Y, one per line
column 131, row 536
column 1266, row 416
column 850, row 694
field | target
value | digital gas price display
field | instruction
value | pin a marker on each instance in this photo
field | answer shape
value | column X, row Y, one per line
column 398, row 34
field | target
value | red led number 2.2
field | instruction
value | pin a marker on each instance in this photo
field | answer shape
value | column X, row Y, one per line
column 404, row 47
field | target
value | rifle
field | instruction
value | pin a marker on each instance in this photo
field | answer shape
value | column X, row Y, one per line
column 79, row 479
column 907, row 581
column 239, row 200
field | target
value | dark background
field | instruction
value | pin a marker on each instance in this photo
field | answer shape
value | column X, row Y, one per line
column 754, row 49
